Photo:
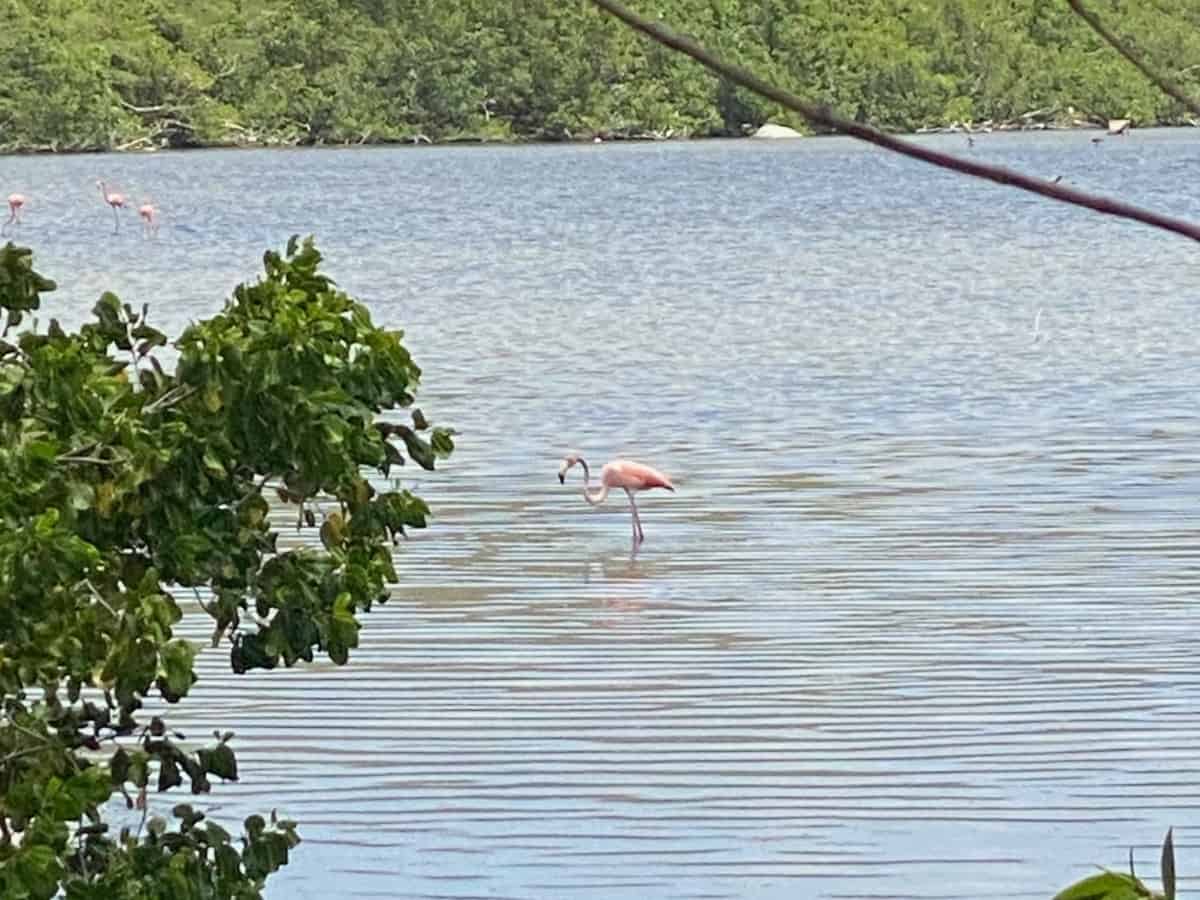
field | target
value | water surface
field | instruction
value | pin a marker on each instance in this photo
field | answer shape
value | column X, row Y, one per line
column 919, row 621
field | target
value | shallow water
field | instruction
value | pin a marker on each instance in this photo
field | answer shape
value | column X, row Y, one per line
column 919, row 620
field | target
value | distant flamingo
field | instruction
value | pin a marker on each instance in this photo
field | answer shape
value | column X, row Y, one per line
column 116, row 201
column 15, row 203
column 149, row 216
column 620, row 473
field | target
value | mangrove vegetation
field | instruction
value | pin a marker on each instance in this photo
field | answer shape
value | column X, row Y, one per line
column 141, row 74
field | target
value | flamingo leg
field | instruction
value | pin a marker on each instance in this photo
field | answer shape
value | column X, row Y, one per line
column 116, row 221
column 638, row 534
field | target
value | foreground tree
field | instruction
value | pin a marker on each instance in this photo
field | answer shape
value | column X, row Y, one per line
column 122, row 483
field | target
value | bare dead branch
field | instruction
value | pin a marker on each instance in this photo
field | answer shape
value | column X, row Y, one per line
column 18, row 754
column 136, row 142
column 1160, row 81
column 170, row 398
column 143, row 109
column 86, row 460
column 820, row 114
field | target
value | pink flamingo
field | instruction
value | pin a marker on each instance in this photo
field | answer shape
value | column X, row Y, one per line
column 149, row 216
column 116, row 201
column 15, row 203
column 620, row 473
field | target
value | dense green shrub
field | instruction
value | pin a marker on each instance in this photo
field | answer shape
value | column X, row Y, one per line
column 122, row 483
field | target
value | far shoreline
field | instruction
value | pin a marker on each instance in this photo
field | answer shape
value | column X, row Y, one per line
column 601, row 137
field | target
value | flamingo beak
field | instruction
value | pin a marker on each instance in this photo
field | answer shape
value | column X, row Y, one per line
column 562, row 479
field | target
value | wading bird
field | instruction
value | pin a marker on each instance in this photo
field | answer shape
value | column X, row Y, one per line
column 15, row 203
column 620, row 473
column 148, row 213
column 116, row 201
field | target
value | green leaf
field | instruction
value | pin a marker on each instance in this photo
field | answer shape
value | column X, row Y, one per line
column 1106, row 886
column 168, row 775
column 418, row 450
column 254, row 825
column 176, row 675
column 253, row 511
column 216, row 834
column 44, row 524
column 220, row 761
column 151, row 336
column 228, row 862
column 43, row 451
column 81, row 495
column 38, row 870
column 333, row 531
column 212, row 398
column 118, row 765
column 108, row 309
column 1168, row 866
column 250, row 651
column 442, row 442
column 212, row 462
column 187, row 813
column 139, row 770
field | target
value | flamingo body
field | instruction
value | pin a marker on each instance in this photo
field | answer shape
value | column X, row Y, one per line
column 149, row 216
column 633, row 476
column 15, row 204
column 625, row 474
column 116, row 200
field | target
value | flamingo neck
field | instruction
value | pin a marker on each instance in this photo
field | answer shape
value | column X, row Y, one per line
column 597, row 496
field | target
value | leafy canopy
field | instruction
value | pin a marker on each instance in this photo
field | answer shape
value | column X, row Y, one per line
column 122, row 483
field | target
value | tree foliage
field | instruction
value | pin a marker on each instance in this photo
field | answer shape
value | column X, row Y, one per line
column 200, row 72
column 121, row 484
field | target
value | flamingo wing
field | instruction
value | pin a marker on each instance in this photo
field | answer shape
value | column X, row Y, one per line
column 634, row 476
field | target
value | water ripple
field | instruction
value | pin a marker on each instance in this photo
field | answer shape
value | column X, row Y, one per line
column 918, row 622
